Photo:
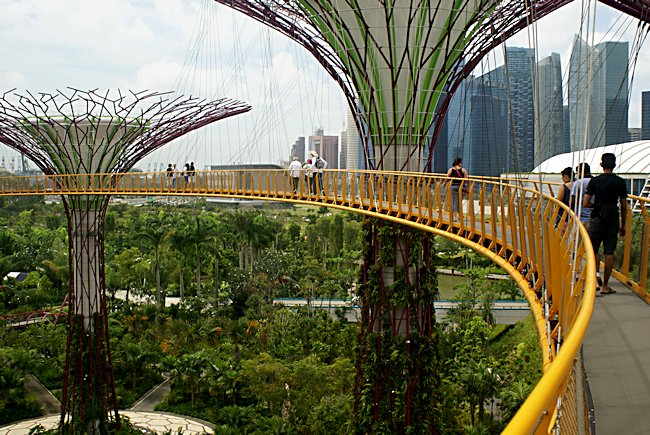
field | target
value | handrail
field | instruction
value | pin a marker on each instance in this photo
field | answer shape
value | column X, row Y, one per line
column 513, row 225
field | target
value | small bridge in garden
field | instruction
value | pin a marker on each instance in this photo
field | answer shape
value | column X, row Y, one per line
column 509, row 221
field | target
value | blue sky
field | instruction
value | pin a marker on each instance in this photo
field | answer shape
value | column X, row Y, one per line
column 204, row 49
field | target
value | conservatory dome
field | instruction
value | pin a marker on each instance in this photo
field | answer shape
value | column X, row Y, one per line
column 631, row 158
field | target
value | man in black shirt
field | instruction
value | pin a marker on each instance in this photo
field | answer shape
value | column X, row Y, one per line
column 609, row 190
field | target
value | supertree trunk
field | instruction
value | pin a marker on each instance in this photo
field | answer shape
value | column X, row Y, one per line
column 89, row 403
column 397, row 365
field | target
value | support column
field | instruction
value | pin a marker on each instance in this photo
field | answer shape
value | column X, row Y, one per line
column 89, row 402
column 396, row 374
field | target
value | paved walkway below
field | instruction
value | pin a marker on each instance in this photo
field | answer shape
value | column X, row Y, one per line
column 153, row 397
column 156, row 422
column 141, row 413
column 617, row 359
column 44, row 397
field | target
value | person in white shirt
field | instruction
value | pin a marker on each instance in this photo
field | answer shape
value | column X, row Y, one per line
column 318, row 164
column 174, row 176
column 294, row 172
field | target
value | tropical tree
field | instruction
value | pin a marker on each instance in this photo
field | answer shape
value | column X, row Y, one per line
column 193, row 335
column 189, row 371
column 133, row 356
column 132, row 268
column 155, row 230
column 254, row 232
column 181, row 249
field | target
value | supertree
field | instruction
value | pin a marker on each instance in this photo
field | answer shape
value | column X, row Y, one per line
column 87, row 132
column 399, row 63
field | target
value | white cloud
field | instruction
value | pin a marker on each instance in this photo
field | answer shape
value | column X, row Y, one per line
column 157, row 75
column 12, row 79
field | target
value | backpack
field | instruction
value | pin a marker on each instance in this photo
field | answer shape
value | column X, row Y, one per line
column 319, row 163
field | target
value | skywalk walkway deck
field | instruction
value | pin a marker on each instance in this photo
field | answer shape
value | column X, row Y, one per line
column 617, row 360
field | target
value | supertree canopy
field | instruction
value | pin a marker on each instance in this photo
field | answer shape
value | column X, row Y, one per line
column 398, row 62
column 84, row 132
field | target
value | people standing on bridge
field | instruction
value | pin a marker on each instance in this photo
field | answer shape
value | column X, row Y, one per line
column 583, row 171
column 174, row 176
column 309, row 176
column 170, row 175
column 318, row 165
column 608, row 191
column 186, row 174
column 456, row 173
column 192, row 173
column 295, row 168
column 564, row 195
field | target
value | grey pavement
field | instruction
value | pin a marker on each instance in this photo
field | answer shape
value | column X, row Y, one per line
column 153, row 397
column 44, row 397
column 617, row 359
column 141, row 413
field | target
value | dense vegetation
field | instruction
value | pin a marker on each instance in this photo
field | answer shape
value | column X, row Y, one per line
column 232, row 357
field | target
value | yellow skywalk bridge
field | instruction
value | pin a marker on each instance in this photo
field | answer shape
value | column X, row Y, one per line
column 510, row 221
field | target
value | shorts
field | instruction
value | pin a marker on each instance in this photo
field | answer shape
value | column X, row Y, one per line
column 605, row 233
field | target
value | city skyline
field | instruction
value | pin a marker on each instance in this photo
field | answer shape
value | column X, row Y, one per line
column 144, row 45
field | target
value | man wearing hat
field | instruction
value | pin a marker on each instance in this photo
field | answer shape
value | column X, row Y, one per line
column 609, row 191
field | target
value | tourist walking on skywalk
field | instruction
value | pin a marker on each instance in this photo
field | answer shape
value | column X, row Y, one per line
column 309, row 176
column 456, row 173
column 564, row 196
column 170, row 175
column 583, row 175
column 318, row 164
column 295, row 168
column 186, row 174
column 608, row 191
column 175, row 176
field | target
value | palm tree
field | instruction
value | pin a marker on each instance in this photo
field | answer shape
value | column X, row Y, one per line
column 197, row 232
column 155, row 231
column 181, row 247
column 133, row 356
column 254, row 232
column 192, row 335
column 189, row 370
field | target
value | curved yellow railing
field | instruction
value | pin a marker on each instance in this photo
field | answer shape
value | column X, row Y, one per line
column 507, row 221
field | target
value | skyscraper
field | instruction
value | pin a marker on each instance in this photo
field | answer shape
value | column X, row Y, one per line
column 326, row 146
column 520, row 64
column 613, row 59
column 598, row 94
column 353, row 151
column 344, row 149
column 486, row 135
column 298, row 149
column 645, row 115
column 585, row 94
column 457, row 121
column 549, row 131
